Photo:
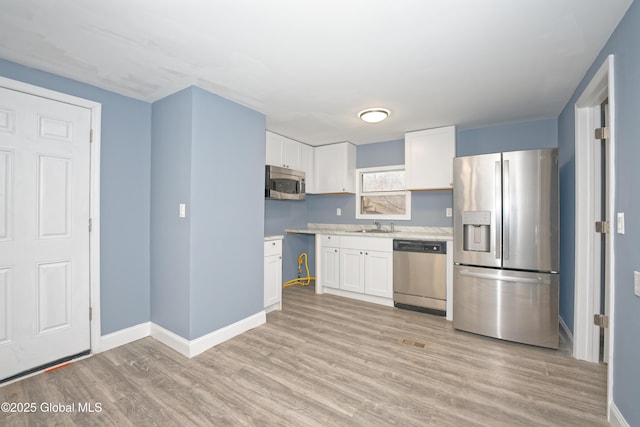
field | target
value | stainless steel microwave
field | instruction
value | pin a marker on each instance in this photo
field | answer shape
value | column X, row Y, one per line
column 283, row 183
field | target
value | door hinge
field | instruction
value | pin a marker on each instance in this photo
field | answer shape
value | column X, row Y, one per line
column 90, row 225
column 602, row 227
column 90, row 313
column 601, row 320
column 602, row 133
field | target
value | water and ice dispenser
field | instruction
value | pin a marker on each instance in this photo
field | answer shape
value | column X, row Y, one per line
column 477, row 231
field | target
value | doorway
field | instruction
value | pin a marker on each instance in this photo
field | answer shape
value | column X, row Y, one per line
column 595, row 200
column 49, row 195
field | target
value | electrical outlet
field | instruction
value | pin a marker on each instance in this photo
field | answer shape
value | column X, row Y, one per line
column 449, row 212
column 182, row 210
column 338, row 211
column 636, row 283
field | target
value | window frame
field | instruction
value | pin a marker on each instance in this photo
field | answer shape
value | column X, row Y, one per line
column 406, row 193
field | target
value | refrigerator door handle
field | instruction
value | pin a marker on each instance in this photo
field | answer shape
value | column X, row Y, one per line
column 498, row 209
column 506, row 208
column 538, row 280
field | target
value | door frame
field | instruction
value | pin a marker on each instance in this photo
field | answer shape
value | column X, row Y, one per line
column 94, row 192
column 586, row 293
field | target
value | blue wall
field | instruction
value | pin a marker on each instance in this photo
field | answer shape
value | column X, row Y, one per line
column 508, row 137
column 227, row 219
column 170, row 235
column 124, row 192
column 626, row 355
column 207, row 268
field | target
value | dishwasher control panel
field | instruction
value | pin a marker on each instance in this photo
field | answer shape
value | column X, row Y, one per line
column 420, row 246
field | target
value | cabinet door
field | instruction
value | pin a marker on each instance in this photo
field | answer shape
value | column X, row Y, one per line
column 328, row 166
column 429, row 158
column 330, row 267
column 306, row 165
column 273, row 149
column 378, row 273
column 272, row 280
column 335, row 168
column 290, row 154
column 352, row 270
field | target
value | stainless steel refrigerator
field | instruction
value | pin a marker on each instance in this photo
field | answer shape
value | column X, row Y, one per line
column 506, row 246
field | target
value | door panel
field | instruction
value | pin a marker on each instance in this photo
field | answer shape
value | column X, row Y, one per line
column 477, row 210
column 54, row 204
column 530, row 218
column 44, row 234
column 54, row 303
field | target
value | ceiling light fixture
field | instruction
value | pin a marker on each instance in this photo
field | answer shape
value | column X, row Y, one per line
column 374, row 115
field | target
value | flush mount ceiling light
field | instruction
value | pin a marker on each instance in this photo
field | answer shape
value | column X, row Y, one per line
column 374, row 115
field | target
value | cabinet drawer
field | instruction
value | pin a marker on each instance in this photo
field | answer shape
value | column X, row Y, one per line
column 272, row 247
column 382, row 244
column 329, row 240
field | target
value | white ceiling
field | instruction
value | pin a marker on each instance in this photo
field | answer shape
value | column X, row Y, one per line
column 311, row 66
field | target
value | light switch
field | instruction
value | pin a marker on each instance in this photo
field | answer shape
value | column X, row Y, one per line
column 636, row 283
column 449, row 212
column 182, row 210
column 620, row 223
column 338, row 211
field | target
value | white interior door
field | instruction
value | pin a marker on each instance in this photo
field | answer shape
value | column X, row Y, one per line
column 44, row 234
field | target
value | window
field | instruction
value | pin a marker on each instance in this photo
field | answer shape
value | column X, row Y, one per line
column 381, row 194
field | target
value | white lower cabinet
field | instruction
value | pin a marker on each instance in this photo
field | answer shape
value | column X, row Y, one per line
column 272, row 275
column 352, row 270
column 361, row 265
column 378, row 273
column 330, row 261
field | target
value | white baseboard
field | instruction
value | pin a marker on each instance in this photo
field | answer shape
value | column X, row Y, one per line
column 615, row 417
column 123, row 336
column 181, row 345
column 199, row 345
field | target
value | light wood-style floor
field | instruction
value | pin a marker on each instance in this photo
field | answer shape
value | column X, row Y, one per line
column 326, row 361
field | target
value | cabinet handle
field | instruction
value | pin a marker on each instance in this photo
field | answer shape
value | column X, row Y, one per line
column 335, row 250
column 366, row 253
column 360, row 253
column 273, row 244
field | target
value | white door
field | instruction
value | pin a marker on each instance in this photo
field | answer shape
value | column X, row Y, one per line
column 44, row 234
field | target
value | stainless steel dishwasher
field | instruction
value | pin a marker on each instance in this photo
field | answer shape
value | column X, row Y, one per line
column 419, row 276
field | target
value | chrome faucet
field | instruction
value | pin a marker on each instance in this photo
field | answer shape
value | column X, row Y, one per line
column 378, row 225
column 392, row 228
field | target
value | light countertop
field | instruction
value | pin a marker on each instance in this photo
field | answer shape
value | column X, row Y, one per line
column 401, row 232
column 273, row 237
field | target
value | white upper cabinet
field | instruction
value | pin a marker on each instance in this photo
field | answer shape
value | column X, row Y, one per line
column 274, row 149
column 335, row 168
column 428, row 158
column 306, row 165
column 287, row 153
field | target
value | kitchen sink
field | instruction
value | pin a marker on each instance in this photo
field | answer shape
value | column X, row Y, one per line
column 374, row 230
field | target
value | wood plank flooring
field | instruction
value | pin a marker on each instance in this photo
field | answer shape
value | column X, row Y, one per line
column 325, row 361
